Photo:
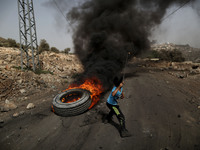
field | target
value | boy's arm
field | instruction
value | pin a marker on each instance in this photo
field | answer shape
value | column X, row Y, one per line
column 117, row 89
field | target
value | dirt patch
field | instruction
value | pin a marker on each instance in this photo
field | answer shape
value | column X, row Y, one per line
column 20, row 88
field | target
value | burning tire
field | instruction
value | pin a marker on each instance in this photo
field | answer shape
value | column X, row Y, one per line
column 71, row 102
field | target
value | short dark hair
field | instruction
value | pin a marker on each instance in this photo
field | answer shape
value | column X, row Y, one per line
column 117, row 80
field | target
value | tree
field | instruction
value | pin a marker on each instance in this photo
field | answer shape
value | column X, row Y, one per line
column 54, row 49
column 12, row 43
column 8, row 42
column 2, row 41
column 44, row 46
column 67, row 50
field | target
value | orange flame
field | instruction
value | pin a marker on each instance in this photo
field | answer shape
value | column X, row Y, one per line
column 93, row 85
column 52, row 108
column 69, row 100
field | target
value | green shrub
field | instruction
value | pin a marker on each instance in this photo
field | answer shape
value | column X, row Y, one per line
column 172, row 55
column 44, row 46
column 66, row 50
column 40, row 71
column 11, row 43
column 8, row 42
column 54, row 49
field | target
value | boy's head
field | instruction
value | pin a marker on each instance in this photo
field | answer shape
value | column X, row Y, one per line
column 117, row 81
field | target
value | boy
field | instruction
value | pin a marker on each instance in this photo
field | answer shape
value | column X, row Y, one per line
column 117, row 92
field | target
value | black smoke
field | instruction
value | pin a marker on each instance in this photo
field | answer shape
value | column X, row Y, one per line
column 106, row 30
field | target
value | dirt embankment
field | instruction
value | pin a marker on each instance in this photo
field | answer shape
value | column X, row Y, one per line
column 189, row 53
column 18, row 87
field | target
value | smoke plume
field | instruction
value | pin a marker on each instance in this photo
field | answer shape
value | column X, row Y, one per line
column 106, row 30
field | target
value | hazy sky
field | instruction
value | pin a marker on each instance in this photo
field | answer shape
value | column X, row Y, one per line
column 50, row 24
column 183, row 27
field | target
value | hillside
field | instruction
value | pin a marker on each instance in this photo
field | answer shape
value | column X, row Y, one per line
column 17, row 86
column 189, row 53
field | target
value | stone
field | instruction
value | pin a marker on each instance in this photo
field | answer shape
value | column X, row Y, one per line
column 22, row 91
column 9, row 105
column 30, row 106
column 7, row 101
column 88, row 113
column 7, row 67
column 21, row 113
column 2, row 109
column 1, row 121
column 20, row 81
column 159, row 94
column 15, row 115
column 198, row 107
column 9, row 58
column 181, row 76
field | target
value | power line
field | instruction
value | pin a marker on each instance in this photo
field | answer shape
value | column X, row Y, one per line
column 175, row 10
column 60, row 10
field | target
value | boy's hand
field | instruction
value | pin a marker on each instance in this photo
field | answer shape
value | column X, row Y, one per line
column 121, row 84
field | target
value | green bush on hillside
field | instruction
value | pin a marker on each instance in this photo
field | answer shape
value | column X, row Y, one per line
column 173, row 55
column 8, row 43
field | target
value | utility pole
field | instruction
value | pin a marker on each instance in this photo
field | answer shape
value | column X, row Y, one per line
column 28, row 36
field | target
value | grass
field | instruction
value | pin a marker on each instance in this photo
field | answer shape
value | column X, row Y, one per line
column 37, row 71
column 40, row 71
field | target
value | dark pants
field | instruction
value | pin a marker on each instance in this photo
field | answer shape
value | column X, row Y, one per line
column 114, row 109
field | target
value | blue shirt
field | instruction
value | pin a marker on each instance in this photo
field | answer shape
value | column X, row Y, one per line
column 113, row 99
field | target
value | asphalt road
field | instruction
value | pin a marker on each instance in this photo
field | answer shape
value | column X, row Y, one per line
column 161, row 114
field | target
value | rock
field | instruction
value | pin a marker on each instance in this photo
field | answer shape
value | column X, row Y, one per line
column 21, row 113
column 22, row 91
column 7, row 101
column 20, row 81
column 159, row 94
column 2, row 109
column 30, row 106
column 9, row 105
column 88, row 113
column 15, row 115
column 7, row 67
column 198, row 107
column 181, row 76
column 1, row 121
column 8, row 58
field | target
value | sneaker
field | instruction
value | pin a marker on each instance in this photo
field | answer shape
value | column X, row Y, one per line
column 106, row 119
column 124, row 133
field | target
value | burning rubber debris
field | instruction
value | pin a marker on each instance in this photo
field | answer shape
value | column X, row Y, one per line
column 93, row 85
column 78, row 97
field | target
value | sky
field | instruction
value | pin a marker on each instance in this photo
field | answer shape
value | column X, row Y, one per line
column 183, row 27
column 50, row 24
